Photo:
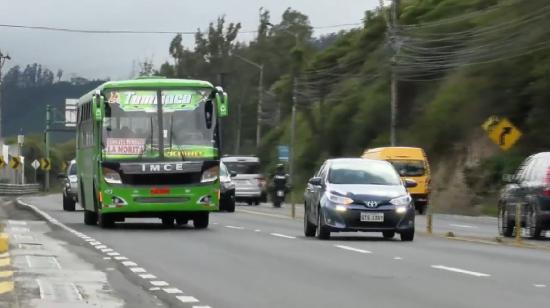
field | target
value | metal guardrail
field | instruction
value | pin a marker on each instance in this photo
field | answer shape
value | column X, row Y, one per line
column 19, row 189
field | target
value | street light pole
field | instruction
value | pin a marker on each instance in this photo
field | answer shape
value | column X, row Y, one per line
column 394, row 79
column 3, row 59
column 260, row 97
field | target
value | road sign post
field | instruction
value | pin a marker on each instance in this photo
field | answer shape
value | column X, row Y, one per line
column 518, row 224
column 47, row 147
column 35, row 165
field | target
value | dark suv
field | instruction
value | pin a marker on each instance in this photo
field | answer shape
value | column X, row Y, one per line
column 529, row 188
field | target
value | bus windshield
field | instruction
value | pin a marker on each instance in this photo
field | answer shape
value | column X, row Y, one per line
column 131, row 129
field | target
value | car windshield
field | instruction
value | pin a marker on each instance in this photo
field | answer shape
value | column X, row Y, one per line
column 409, row 167
column 131, row 125
column 363, row 173
column 243, row 167
column 72, row 169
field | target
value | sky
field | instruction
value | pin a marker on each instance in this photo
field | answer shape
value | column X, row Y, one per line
column 112, row 55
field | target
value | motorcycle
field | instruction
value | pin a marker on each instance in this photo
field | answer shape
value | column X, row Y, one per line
column 279, row 189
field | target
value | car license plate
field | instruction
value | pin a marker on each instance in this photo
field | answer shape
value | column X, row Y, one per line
column 280, row 193
column 372, row 217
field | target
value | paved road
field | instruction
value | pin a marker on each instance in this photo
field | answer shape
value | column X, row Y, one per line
column 262, row 260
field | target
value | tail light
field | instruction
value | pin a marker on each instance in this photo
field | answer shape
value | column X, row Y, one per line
column 261, row 181
column 546, row 189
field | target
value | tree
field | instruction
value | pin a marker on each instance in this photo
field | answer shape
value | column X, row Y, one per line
column 59, row 75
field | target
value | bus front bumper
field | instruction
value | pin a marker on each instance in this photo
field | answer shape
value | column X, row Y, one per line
column 136, row 200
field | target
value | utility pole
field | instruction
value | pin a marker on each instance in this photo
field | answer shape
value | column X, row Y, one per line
column 260, row 103
column 394, row 78
column 47, row 147
column 292, row 144
column 3, row 59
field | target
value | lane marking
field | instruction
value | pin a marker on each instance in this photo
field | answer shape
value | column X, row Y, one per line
column 107, row 250
column 159, row 283
column 463, row 226
column 282, row 235
column 5, row 274
column 5, row 255
column 28, row 261
column 106, row 258
column 121, row 258
column 100, row 246
column 352, row 249
column 40, row 290
column 138, row 269
column 539, row 285
column 95, row 243
column 148, row 276
column 77, row 291
column 19, row 229
column 154, row 289
column 257, row 230
column 56, row 262
column 129, row 263
column 6, row 286
column 459, row 270
column 202, row 307
column 398, row 258
column 17, row 222
column 5, row 262
column 172, row 290
column 114, row 253
column 187, row 299
column 235, row 227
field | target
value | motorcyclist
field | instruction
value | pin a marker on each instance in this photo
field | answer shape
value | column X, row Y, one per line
column 279, row 182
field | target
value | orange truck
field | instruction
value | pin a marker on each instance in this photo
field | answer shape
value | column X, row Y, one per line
column 411, row 163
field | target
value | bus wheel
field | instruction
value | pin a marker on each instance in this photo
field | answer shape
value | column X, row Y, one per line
column 90, row 218
column 105, row 221
column 200, row 221
column 168, row 222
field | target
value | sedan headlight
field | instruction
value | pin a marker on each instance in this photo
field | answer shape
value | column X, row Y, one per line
column 338, row 199
column 211, row 174
column 111, row 176
column 401, row 201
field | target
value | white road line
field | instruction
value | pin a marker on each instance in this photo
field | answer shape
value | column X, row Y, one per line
column 282, row 235
column 154, row 289
column 187, row 299
column 172, row 290
column 107, row 250
column 129, row 263
column 463, row 226
column 56, row 262
column 121, row 258
column 114, row 253
column 40, row 289
column 106, row 258
column 28, row 261
column 235, row 227
column 95, row 243
column 257, row 230
column 159, row 283
column 17, row 222
column 138, row 269
column 148, row 276
column 78, row 294
column 398, row 258
column 352, row 249
column 101, row 246
column 539, row 285
column 202, row 307
column 90, row 240
column 461, row 271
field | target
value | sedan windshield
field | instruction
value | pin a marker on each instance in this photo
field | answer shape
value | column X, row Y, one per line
column 363, row 173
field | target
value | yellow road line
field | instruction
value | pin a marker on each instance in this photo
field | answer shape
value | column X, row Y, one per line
column 6, row 286
column 5, row 262
column 4, row 274
column 4, row 242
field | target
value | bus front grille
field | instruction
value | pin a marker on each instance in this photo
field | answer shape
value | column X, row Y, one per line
column 161, row 179
column 161, row 199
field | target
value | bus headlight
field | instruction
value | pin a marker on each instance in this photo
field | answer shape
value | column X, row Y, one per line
column 111, row 176
column 210, row 175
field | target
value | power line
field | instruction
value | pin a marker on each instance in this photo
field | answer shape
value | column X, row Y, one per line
column 97, row 31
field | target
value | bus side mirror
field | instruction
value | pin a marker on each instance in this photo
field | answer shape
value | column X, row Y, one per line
column 221, row 103
column 98, row 107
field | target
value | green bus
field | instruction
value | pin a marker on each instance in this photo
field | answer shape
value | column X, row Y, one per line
column 137, row 157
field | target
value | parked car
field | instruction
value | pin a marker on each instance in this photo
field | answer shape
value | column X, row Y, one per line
column 70, row 187
column 410, row 163
column 354, row 194
column 227, row 194
column 528, row 188
column 250, row 184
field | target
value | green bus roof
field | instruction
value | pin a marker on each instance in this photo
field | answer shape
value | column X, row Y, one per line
column 147, row 83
